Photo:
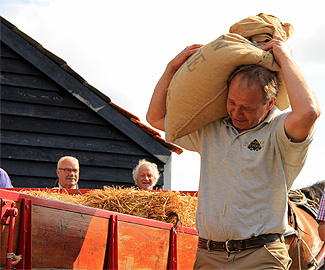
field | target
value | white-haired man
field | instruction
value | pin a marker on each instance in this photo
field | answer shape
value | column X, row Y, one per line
column 145, row 175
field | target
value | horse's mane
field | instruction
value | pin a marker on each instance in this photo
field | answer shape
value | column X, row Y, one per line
column 315, row 191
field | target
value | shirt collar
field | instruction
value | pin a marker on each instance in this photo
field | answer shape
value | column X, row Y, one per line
column 77, row 187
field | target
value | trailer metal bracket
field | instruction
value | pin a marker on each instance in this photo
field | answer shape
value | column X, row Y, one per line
column 6, row 207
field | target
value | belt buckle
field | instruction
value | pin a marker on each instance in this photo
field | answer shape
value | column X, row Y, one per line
column 227, row 247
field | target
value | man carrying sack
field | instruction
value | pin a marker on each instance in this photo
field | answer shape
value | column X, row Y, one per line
column 249, row 161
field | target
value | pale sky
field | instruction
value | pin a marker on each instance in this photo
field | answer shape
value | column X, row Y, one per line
column 122, row 48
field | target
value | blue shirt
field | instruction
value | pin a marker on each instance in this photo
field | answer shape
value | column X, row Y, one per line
column 4, row 179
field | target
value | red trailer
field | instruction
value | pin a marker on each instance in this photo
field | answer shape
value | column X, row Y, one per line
column 44, row 233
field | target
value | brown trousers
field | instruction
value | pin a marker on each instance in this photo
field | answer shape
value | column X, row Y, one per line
column 271, row 256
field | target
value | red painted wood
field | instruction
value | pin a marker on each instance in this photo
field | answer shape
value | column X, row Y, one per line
column 112, row 258
column 172, row 259
column 142, row 247
column 186, row 250
column 25, row 236
column 4, row 236
column 12, row 212
column 64, row 239
column 71, row 236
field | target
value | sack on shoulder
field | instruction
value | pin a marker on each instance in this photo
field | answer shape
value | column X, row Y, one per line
column 198, row 91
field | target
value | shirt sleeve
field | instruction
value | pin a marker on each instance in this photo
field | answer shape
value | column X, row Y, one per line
column 186, row 141
column 293, row 153
column 5, row 180
column 321, row 210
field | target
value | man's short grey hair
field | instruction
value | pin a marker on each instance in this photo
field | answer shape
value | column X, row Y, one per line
column 64, row 158
column 265, row 78
column 135, row 171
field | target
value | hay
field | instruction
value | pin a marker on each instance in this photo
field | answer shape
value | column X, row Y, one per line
column 156, row 205
column 56, row 194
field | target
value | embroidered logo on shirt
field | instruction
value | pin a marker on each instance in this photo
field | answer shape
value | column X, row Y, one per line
column 254, row 145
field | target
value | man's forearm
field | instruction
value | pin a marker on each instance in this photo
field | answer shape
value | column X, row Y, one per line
column 305, row 109
column 157, row 108
column 301, row 95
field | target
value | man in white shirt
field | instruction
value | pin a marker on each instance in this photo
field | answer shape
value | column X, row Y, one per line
column 249, row 161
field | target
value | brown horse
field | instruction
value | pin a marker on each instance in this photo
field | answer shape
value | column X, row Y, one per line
column 306, row 249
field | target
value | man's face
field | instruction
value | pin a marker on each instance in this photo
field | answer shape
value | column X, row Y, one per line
column 146, row 177
column 245, row 104
column 68, row 173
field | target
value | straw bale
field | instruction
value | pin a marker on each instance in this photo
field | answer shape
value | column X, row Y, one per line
column 156, row 205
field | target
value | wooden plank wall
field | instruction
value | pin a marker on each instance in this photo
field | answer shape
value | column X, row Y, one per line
column 41, row 121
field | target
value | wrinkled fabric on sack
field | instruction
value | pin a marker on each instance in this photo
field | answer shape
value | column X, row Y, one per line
column 198, row 91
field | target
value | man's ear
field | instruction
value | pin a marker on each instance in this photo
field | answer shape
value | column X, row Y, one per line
column 57, row 173
column 271, row 104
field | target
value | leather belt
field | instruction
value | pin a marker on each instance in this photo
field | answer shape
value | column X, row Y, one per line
column 239, row 245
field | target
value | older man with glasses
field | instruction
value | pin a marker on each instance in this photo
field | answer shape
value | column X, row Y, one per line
column 68, row 173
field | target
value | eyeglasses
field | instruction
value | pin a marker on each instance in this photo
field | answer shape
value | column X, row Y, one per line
column 67, row 170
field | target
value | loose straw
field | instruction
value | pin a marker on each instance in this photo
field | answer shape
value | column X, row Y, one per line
column 156, row 205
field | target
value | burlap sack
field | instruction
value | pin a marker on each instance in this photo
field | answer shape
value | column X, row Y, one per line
column 198, row 91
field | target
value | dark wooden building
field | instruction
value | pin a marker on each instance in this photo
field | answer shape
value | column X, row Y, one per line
column 49, row 111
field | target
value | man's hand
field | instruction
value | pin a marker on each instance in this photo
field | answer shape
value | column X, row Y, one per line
column 157, row 108
column 179, row 60
column 281, row 50
column 305, row 109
